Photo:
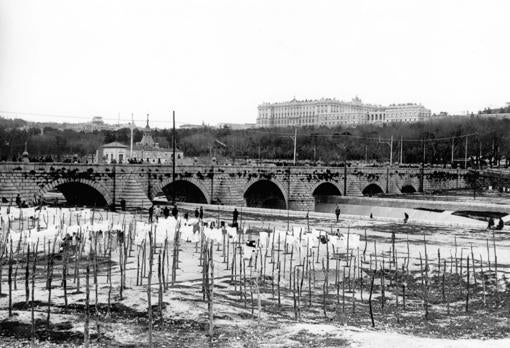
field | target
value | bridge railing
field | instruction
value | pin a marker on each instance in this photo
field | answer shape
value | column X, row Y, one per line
column 230, row 168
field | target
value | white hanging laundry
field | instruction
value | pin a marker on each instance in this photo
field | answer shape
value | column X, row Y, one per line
column 73, row 229
column 164, row 229
column 186, row 233
column 195, row 236
column 279, row 234
column 28, row 212
column 140, row 237
column 316, row 233
column 263, row 239
column 101, row 226
column 216, row 234
column 116, row 227
column 309, row 241
column 190, row 222
column 248, row 252
column 232, row 232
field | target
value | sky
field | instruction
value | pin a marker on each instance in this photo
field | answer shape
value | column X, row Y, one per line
column 216, row 61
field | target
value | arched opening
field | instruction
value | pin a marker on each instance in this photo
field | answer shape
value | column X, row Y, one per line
column 372, row 190
column 265, row 194
column 326, row 193
column 184, row 191
column 408, row 189
column 76, row 194
column 326, row 196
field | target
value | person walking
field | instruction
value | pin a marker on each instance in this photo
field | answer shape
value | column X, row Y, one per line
column 151, row 213
column 235, row 215
column 406, row 217
column 201, row 213
column 196, row 213
column 175, row 212
column 337, row 213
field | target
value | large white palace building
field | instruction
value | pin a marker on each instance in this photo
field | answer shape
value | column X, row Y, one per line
column 332, row 112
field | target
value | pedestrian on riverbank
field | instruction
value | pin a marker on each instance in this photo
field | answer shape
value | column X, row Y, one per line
column 235, row 215
column 201, row 213
column 337, row 213
column 151, row 213
column 196, row 213
column 406, row 217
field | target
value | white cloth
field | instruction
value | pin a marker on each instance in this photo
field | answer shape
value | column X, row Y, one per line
column 214, row 234
column 263, row 239
column 248, row 252
column 232, row 232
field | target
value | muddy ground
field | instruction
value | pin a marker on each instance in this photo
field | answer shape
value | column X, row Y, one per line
column 336, row 319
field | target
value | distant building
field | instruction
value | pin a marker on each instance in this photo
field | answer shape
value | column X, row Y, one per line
column 237, row 126
column 501, row 115
column 332, row 112
column 144, row 151
column 190, row 126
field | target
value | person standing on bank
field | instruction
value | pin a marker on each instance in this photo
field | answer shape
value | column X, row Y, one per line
column 337, row 212
column 175, row 212
column 201, row 213
column 235, row 215
column 196, row 213
column 151, row 212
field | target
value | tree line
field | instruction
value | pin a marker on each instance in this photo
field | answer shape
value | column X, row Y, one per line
column 431, row 142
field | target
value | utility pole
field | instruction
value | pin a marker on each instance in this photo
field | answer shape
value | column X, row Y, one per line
column 423, row 150
column 422, row 165
column 401, row 149
column 453, row 147
column 391, row 151
column 173, row 157
column 465, row 153
column 131, row 142
column 295, row 144
column 479, row 154
column 390, row 144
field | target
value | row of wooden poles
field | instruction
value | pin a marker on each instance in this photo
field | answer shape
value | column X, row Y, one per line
column 277, row 270
column 348, row 270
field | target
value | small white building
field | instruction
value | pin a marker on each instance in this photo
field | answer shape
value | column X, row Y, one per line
column 144, row 151
column 113, row 153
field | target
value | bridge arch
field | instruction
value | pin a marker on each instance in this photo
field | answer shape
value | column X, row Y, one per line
column 265, row 194
column 324, row 189
column 79, row 191
column 188, row 190
column 372, row 190
column 408, row 188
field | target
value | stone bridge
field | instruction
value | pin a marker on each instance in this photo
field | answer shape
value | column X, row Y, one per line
column 296, row 188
